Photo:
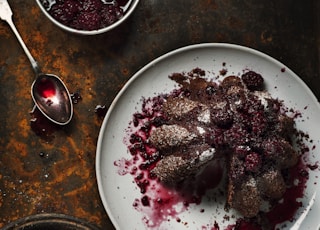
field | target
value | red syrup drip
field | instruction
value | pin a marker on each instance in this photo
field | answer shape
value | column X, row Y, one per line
column 286, row 209
column 242, row 224
column 76, row 97
column 101, row 110
column 41, row 125
column 46, row 89
column 49, row 92
column 158, row 202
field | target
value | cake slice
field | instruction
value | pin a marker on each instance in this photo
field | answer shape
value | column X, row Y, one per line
column 236, row 120
column 183, row 164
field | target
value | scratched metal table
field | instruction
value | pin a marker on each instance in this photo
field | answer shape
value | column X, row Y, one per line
column 53, row 171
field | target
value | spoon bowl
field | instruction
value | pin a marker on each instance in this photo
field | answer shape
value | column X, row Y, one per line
column 52, row 98
column 48, row 92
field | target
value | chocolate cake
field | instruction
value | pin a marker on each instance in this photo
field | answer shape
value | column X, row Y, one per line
column 236, row 120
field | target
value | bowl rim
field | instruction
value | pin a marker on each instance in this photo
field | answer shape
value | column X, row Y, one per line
column 49, row 218
column 129, row 11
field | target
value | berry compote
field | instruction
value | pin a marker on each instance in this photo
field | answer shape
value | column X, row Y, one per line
column 86, row 14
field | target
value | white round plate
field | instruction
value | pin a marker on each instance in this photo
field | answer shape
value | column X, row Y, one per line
column 118, row 192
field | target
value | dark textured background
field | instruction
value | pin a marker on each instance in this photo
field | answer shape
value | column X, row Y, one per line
column 63, row 179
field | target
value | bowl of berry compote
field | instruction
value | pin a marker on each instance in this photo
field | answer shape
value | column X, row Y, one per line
column 87, row 17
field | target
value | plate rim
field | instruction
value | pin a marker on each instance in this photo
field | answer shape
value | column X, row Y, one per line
column 153, row 63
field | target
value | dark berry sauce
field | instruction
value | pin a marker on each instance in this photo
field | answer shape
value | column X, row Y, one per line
column 46, row 89
column 41, row 125
column 100, row 110
column 76, row 97
column 86, row 14
column 159, row 202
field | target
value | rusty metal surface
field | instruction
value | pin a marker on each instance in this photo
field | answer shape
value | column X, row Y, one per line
column 55, row 173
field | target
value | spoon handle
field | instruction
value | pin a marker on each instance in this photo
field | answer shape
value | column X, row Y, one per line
column 6, row 15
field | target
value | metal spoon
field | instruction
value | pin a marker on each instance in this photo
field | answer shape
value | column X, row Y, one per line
column 48, row 92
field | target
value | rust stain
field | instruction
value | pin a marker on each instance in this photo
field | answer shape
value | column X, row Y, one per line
column 266, row 37
column 4, row 31
column 17, row 147
column 24, row 127
column 35, row 11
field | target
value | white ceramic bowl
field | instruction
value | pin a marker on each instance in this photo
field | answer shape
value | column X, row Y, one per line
column 128, row 11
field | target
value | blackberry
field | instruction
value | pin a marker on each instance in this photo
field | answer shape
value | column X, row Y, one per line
column 88, row 21
column 231, row 81
column 210, row 90
column 223, row 118
column 158, row 121
column 253, row 81
column 110, row 14
column 252, row 162
column 58, row 12
column 91, row 5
